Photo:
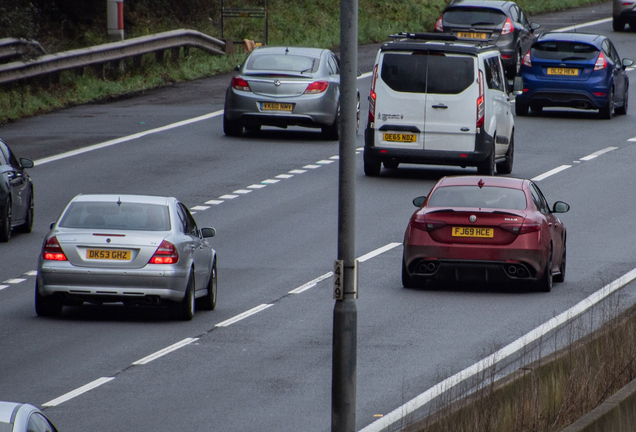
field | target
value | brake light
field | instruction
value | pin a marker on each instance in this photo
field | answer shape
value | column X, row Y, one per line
column 372, row 96
column 526, row 60
column 317, row 87
column 480, row 101
column 601, row 62
column 52, row 250
column 427, row 225
column 166, row 254
column 521, row 228
column 439, row 25
column 240, row 84
column 508, row 27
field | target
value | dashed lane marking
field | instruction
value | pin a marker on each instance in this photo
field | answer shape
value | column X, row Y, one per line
column 551, row 172
column 229, row 197
column 70, row 395
column 4, row 286
column 311, row 284
column 165, row 351
column 14, row 281
column 256, row 186
column 244, row 315
column 598, row 153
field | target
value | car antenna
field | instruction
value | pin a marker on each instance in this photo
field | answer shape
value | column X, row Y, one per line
column 118, row 201
column 286, row 50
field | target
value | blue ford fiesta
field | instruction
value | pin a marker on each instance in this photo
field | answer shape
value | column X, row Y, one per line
column 575, row 70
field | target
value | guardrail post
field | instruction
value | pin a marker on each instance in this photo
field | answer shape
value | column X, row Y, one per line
column 159, row 56
column 137, row 62
column 186, row 51
column 174, row 55
column 115, row 15
column 79, row 71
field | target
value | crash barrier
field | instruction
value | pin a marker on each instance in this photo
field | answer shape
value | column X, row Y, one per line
column 14, row 47
column 50, row 66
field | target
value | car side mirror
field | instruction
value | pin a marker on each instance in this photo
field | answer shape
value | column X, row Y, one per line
column 517, row 87
column 417, row 202
column 237, row 68
column 534, row 25
column 52, row 225
column 26, row 163
column 560, row 207
column 208, row 232
column 359, row 72
column 627, row 62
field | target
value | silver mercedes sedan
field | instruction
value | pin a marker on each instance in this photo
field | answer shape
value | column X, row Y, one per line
column 131, row 249
column 285, row 86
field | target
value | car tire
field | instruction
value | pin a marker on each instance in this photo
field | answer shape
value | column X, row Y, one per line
column 545, row 283
column 208, row 302
column 618, row 25
column 27, row 226
column 561, row 276
column 372, row 167
column 5, row 230
column 623, row 109
column 332, row 132
column 47, row 306
column 606, row 112
column 407, row 280
column 232, row 128
column 487, row 167
column 521, row 109
column 505, row 167
column 184, row 310
column 390, row 164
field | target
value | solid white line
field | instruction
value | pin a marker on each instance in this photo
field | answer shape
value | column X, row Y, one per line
column 243, row 315
column 378, row 251
column 126, row 138
column 551, row 172
column 165, row 351
column 14, row 281
column 311, row 284
column 79, row 391
column 588, row 24
column 511, row 348
column 598, row 153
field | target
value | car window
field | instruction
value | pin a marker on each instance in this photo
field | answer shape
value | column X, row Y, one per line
column 476, row 197
column 522, row 18
column 494, row 74
column 190, row 224
column 613, row 54
column 539, row 199
column 514, row 14
column 333, row 65
column 116, row 216
column 467, row 16
column 282, row 62
column 3, row 150
column 38, row 423
column 562, row 50
column 421, row 73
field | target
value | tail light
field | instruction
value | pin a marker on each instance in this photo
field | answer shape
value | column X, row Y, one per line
column 521, row 228
column 317, row 87
column 372, row 96
column 439, row 25
column 601, row 62
column 52, row 250
column 166, row 254
column 526, row 60
column 508, row 27
column 480, row 101
column 240, row 84
column 427, row 225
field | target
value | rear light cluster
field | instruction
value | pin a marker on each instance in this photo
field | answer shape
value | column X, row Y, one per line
column 166, row 254
column 373, row 96
column 515, row 228
column 52, row 250
column 439, row 25
column 427, row 225
column 508, row 27
column 240, row 84
column 480, row 101
column 601, row 62
column 317, row 87
column 526, row 60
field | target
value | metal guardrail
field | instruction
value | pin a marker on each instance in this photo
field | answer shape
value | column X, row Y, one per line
column 110, row 52
column 12, row 47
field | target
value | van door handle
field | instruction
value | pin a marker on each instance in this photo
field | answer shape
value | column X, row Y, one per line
column 440, row 106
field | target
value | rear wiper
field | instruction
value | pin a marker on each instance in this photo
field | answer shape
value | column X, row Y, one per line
column 482, row 23
column 573, row 58
column 441, row 211
column 311, row 68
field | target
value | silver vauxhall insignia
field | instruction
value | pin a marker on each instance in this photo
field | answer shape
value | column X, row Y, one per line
column 131, row 249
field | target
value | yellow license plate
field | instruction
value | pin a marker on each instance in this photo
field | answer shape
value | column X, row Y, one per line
column 274, row 106
column 106, row 254
column 472, row 35
column 563, row 71
column 473, row 232
column 395, row 137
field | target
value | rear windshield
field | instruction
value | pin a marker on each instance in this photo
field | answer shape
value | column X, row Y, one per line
column 564, row 51
column 476, row 197
column 447, row 74
column 467, row 16
column 282, row 62
column 123, row 216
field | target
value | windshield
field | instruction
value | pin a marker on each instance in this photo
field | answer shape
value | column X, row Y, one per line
column 564, row 51
column 122, row 216
column 282, row 62
column 467, row 16
column 476, row 197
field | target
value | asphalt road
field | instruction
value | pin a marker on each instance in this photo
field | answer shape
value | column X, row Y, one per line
column 271, row 371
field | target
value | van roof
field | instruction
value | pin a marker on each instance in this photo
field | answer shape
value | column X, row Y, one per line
column 437, row 42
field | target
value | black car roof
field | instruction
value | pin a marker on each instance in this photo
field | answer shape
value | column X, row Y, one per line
column 436, row 42
column 501, row 5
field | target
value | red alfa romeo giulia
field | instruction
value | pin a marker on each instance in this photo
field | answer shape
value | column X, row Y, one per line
column 485, row 229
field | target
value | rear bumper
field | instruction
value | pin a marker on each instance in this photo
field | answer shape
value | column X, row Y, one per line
column 548, row 93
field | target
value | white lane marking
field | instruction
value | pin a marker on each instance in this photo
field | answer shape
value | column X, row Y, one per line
column 311, row 166
column 365, row 75
column 14, row 281
column 378, row 251
column 324, row 162
column 479, row 367
column 214, row 202
column 311, row 284
column 598, row 153
column 163, row 352
column 79, row 391
column 297, row 171
column 242, row 191
column 31, row 273
column 199, row 208
column 228, row 196
column 284, row 176
column 270, row 181
column 256, row 186
column 551, row 172
column 336, row 157
column 587, row 24
column 360, row 148
column 3, row 287
column 632, row 139
column 126, row 138
column 244, row 315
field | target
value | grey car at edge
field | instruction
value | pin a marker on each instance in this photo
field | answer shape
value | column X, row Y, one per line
column 130, row 249
column 285, row 86
column 21, row 417
column 623, row 12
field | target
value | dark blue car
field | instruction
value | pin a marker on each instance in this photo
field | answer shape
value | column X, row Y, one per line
column 575, row 70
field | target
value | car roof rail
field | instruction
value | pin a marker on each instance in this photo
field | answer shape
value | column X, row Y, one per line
column 444, row 37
